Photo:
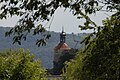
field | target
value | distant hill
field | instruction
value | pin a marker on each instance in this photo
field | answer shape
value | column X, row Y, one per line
column 45, row 53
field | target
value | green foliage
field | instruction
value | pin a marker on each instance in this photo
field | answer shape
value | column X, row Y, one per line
column 101, row 57
column 20, row 65
column 100, row 60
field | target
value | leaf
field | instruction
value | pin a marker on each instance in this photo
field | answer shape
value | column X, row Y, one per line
column 41, row 42
column 48, row 36
column 19, row 42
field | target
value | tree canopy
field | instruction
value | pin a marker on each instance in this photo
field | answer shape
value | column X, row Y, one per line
column 20, row 65
column 33, row 12
column 100, row 59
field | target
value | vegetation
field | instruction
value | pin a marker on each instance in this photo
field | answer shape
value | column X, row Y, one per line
column 101, row 57
column 100, row 60
column 20, row 65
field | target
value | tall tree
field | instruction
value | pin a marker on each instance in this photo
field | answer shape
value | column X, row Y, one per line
column 100, row 60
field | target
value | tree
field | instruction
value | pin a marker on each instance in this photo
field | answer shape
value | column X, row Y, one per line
column 100, row 60
column 32, row 12
column 20, row 65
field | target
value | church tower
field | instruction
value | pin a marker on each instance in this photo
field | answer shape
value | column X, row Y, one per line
column 62, row 46
column 59, row 49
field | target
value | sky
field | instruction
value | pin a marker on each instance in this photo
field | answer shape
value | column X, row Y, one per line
column 61, row 19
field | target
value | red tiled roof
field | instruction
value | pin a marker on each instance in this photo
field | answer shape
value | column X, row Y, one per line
column 61, row 46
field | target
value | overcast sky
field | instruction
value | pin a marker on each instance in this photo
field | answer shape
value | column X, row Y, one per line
column 62, row 19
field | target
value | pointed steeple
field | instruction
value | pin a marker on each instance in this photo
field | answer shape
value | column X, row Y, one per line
column 62, row 29
column 62, row 36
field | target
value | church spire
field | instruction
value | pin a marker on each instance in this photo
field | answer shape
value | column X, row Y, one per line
column 62, row 36
column 62, row 29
